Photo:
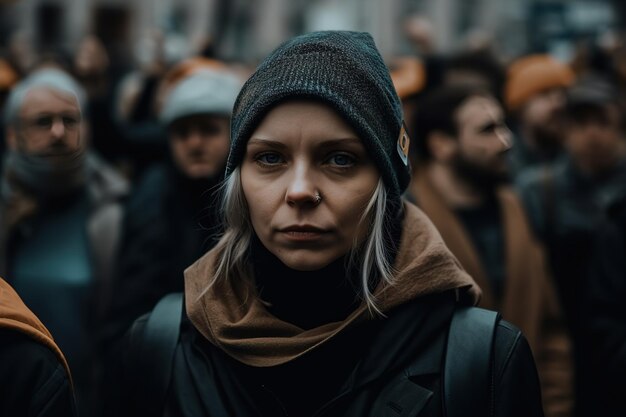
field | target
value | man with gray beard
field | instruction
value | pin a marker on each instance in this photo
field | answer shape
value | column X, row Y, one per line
column 60, row 216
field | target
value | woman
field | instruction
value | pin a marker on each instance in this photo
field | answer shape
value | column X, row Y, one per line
column 327, row 295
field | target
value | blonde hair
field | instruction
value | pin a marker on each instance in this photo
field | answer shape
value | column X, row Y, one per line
column 371, row 257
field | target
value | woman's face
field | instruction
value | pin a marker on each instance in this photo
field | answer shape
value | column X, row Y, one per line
column 302, row 149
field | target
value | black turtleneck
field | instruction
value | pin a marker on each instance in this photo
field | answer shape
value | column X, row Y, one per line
column 310, row 299
column 307, row 299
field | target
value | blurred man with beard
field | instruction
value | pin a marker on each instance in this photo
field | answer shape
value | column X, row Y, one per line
column 458, row 181
column 60, row 217
column 568, row 200
column 535, row 96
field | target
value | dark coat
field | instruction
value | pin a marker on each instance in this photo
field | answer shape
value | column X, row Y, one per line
column 32, row 380
column 374, row 369
column 168, row 224
column 604, row 326
column 566, row 208
column 529, row 299
column 34, row 376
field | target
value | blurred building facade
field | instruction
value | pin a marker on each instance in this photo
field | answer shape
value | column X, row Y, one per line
column 248, row 29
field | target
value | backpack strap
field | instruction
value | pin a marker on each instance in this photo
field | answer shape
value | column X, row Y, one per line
column 157, row 348
column 468, row 378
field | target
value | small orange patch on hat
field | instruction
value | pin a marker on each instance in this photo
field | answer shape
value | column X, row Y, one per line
column 404, row 141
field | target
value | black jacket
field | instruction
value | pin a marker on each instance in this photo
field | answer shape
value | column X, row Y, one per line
column 33, row 382
column 566, row 209
column 390, row 366
column 604, row 341
column 168, row 223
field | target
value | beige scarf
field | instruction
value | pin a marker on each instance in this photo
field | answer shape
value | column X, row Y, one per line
column 233, row 318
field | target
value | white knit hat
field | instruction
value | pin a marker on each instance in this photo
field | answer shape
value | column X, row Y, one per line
column 204, row 92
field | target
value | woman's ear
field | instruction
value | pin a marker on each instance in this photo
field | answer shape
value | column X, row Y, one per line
column 442, row 146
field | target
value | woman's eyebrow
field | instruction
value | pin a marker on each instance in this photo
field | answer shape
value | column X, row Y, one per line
column 341, row 141
column 323, row 143
column 266, row 142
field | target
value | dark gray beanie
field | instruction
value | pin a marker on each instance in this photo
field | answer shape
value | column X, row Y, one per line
column 343, row 69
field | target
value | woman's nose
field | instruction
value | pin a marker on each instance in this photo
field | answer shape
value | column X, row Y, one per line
column 301, row 188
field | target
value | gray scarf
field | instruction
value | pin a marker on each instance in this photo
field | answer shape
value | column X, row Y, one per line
column 44, row 176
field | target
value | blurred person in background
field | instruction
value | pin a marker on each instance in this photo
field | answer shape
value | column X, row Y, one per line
column 136, row 110
column 535, row 97
column 21, row 51
column 460, row 172
column 568, row 200
column 478, row 68
column 8, row 78
column 603, row 332
column 171, row 217
column 418, row 30
column 92, row 69
column 35, row 380
column 60, row 214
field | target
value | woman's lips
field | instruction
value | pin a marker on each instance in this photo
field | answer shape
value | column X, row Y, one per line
column 303, row 233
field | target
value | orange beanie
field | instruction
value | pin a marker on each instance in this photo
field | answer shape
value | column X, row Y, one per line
column 408, row 76
column 533, row 74
column 8, row 76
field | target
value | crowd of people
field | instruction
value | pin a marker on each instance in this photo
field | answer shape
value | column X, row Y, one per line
column 325, row 216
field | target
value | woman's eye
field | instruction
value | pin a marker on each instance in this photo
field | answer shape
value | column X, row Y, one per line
column 342, row 160
column 269, row 158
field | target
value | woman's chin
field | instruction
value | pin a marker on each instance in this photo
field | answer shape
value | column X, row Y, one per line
column 306, row 262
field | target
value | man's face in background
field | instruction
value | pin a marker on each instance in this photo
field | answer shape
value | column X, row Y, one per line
column 542, row 116
column 594, row 137
column 200, row 145
column 483, row 140
column 48, row 125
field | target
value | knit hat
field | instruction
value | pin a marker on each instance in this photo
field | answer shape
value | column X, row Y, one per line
column 204, row 92
column 190, row 66
column 408, row 75
column 52, row 78
column 8, row 76
column 533, row 74
column 344, row 70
